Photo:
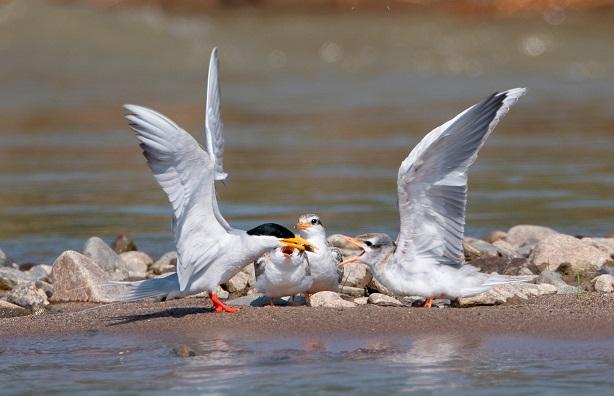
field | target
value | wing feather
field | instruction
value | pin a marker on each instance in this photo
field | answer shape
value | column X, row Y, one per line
column 432, row 183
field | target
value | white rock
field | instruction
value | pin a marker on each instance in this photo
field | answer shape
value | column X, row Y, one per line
column 41, row 272
column 502, row 293
column 166, row 263
column 384, row 300
column 555, row 279
column 11, row 277
column 352, row 291
column 505, row 248
column 606, row 245
column 137, row 263
column 250, row 271
column 604, row 283
column 557, row 249
column 237, row 283
column 109, row 261
column 528, row 234
column 329, row 299
column 361, row 300
column 27, row 295
column 477, row 248
column 376, row 285
column 8, row 309
column 356, row 275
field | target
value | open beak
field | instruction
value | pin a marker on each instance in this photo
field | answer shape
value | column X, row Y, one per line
column 359, row 244
column 298, row 243
column 301, row 226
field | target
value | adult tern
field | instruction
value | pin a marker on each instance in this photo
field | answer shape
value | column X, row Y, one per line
column 427, row 258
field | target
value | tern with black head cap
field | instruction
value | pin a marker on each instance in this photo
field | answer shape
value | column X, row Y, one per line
column 427, row 258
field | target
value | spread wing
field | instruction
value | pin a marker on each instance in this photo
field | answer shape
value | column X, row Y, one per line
column 214, row 127
column 432, row 183
column 186, row 174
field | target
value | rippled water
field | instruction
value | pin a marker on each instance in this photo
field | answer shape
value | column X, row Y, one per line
column 319, row 111
column 377, row 366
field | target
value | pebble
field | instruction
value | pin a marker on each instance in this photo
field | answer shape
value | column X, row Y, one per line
column 329, row 299
column 604, row 283
column 6, row 261
column 166, row 263
column 123, row 244
column 8, row 310
column 559, row 249
column 11, row 277
column 40, row 272
column 237, row 283
column 500, row 294
column 109, row 261
column 352, row 291
column 384, row 300
column 356, row 275
column 475, row 248
column 137, row 263
column 27, row 295
column 555, row 279
column 361, row 300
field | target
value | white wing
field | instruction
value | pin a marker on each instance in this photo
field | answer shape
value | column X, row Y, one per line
column 214, row 130
column 432, row 183
column 214, row 127
column 186, row 173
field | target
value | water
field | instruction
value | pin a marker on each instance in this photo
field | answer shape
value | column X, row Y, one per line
column 102, row 364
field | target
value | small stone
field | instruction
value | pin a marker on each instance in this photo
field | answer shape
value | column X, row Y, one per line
column 555, row 279
column 376, row 286
column 329, row 299
column 528, row 234
column 109, row 261
column 9, row 310
column 11, row 277
column 384, row 300
column 27, row 295
column 6, row 261
column 237, row 283
column 558, row 249
column 501, row 265
column 40, row 272
column 361, row 300
column 183, row 351
column 356, row 275
column 250, row 271
column 496, row 236
column 606, row 245
column 505, row 249
column 78, row 278
column 166, row 263
column 123, row 244
column 136, row 263
column 221, row 293
column 475, row 248
column 604, row 283
column 352, row 291
column 44, row 286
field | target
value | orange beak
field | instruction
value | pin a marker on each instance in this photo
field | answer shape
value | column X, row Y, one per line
column 302, row 226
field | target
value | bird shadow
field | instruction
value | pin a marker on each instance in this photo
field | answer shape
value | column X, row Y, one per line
column 165, row 313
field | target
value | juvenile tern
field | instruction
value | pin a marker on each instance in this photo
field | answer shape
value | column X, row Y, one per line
column 282, row 272
column 427, row 258
column 323, row 261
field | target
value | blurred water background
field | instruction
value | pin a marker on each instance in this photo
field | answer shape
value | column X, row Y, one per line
column 319, row 110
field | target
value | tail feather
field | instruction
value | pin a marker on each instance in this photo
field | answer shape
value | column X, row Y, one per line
column 493, row 281
column 139, row 290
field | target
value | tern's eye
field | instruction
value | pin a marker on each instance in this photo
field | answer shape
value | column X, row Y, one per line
column 314, row 221
column 368, row 243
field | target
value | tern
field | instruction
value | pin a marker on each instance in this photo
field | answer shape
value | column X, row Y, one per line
column 209, row 250
column 427, row 258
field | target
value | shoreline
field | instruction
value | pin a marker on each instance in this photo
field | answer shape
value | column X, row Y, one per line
column 588, row 316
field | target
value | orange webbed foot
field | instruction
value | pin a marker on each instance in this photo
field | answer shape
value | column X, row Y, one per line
column 219, row 306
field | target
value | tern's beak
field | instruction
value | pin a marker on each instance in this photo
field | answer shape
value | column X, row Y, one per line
column 359, row 244
column 302, row 226
column 298, row 243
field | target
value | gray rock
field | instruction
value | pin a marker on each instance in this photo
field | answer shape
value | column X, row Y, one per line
column 502, row 265
column 123, row 244
column 8, row 310
column 250, row 271
column 40, row 272
column 384, row 300
column 6, row 261
column 109, row 261
column 11, row 277
column 555, row 279
column 356, row 275
column 475, row 248
column 604, row 283
column 528, row 234
column 496, row 236
column 238, row 283
column 44, row 286
column 137, row 263
column 558, row 249
column 352, row 291
column 506, row 249
column 329, row 299
column 78, row 278
column 260, row 300
column 376, row 286
column 502, row 293
column 27, row 295
column 361, row 300
column 166, row 263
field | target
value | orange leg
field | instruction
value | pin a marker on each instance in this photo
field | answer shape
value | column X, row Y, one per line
column 219, row 306
column 428, row 303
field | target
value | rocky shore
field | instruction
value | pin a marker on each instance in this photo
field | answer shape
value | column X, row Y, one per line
column 561, row 264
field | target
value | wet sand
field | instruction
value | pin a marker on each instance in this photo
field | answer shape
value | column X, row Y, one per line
column 587, row 316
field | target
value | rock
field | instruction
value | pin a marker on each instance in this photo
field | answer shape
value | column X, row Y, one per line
column 496, row 236
column 329, row 299
column 361, row 300
column 78, row 278
column 557, row 249
column 184, row 351
column 6, row 261
column 8, row 310
column 606, row 245
column 555, row 279
column 528, row 234
column 237, row 283
column 352, row 291
column 604, row 283
column 44, row 286
column 502, row 265
column 356, row 275
column 123, row 244
column 40, row 272
column 377, row 287
column 106, row 259
column 27, row 295
column 503, row 293
column 11, row 277
column 250, row 271
column 506, row 249
column 221, row 293
column 136, row 263
column 475, row 248
column 166, row 263
column 384, row 300
column 260, row 300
